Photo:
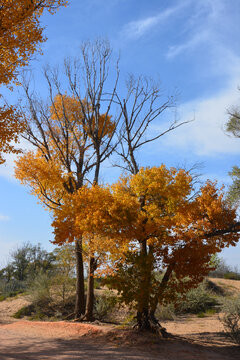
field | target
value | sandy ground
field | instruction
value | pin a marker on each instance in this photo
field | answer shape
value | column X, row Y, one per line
column 193, row 339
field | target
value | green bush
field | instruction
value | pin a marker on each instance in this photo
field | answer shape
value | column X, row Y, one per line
column 196, row 301
column 232, row 275
column 165, row 312
column 24, row 311
column 39, row 290
column 104, row 305
column 231, row 318
column 11, row 288
column 97, row 283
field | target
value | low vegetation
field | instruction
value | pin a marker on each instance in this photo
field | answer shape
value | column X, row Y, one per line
column 231, row 318
column 48, row 281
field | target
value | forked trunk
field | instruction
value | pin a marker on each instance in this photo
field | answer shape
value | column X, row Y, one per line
column 80, row 298
column 146, row 321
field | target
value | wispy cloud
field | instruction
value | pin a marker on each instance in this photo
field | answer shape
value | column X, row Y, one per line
column 189, row 45
column 136, row 29
column 4, row 217
column 202, row 25
column 205, row 136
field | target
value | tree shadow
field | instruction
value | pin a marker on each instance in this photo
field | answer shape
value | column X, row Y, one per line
column 180, row 348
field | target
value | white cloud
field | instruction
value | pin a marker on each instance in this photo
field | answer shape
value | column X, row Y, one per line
column 203, row 24
column 136, row 29
column 4, row 217
column 205, row 135
column 188, row 45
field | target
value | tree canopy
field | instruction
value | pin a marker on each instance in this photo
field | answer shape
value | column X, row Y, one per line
column 151, row 222
column 81, row 124
column 20, row 37
column 233, row 128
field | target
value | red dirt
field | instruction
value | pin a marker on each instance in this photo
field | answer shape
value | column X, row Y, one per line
column 193, row 339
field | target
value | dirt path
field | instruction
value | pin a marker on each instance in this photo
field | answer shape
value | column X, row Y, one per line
column 194, row 339
column 47, row 341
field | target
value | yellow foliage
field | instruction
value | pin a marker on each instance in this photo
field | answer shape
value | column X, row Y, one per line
column 21, row 33
column 54, row 170
column 10, row 127
column 20, row 36
column 45, row 178
column 155, row 206
column 70, row 109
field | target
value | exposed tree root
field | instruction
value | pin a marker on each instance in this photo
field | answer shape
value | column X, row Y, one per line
column 148, row 322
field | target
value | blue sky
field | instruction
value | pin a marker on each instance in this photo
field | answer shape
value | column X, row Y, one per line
column 191, row 46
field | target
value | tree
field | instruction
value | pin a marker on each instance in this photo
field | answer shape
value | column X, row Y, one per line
column 27, row 262
column 233, row 127
column 234, row 189
column 151, row 222
column 71, row 137
column 20, row 36
column 10, row 128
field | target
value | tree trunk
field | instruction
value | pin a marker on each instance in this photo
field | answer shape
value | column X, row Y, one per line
column 92, row 263
column 80, row 298
column 146, row 321
column 145, row 275
column 90, row 293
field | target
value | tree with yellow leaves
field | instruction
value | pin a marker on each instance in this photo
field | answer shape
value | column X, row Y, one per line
column 151, row 223
column 75, row 138
column 72, row 138
column 20, row 37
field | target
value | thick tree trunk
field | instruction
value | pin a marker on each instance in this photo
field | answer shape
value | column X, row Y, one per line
column 90, row 294
column 145, row 275
column 146, row 320
column 80, row 298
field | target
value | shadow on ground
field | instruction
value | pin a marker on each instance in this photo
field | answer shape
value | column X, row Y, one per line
column 16, row 347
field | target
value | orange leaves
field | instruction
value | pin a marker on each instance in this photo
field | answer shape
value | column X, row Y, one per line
column 20, row 36
column 146, row 223
column 152, row 206
column 10, row 127
column 65, row 145
column 20, row 33
column 45, row 178
column 66, row 108
column 78, row 117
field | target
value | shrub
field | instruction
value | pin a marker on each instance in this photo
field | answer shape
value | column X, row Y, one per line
column 231, row 318
column 166, row 312
column 232, row 275
column 97, row 283
column 62, row 287
column 24, row 311
column 39, row 290
column 104, row 305
column 225, row 271
column 11, row 288
column 196, row 301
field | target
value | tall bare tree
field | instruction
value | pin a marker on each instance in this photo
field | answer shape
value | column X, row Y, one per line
column 69, row 130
